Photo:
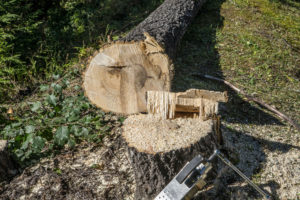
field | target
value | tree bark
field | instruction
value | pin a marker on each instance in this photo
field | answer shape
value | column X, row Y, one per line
column 119, row 75
column 168, row 23
column 154, row 167
column 7, row 166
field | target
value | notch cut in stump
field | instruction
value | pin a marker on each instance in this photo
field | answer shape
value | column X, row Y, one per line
column 158, row 148
column 119, row 75
column 193, row 103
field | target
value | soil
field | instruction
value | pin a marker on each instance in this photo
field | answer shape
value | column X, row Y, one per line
column 103, row 171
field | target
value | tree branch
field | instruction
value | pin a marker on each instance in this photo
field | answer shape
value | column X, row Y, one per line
column 251, row 98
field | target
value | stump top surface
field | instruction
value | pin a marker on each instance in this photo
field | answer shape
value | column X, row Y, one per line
column 151, row 134
column 3, row 144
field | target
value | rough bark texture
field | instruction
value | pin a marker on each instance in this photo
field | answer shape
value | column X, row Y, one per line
column 7, row 166
column 154, row 171
column 168, row 23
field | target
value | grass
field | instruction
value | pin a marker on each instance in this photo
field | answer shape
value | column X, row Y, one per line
column 263, row 54
column 252, row 44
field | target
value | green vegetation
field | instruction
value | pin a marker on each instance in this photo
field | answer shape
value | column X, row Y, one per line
column 44, row 46
column 253, row 44
column 39, row 38
column 60, row 115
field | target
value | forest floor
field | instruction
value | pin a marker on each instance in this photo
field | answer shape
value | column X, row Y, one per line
column 255, row 45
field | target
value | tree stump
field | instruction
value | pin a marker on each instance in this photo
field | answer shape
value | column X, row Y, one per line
column 158, row 148
column 119, row 75
column 7, row 166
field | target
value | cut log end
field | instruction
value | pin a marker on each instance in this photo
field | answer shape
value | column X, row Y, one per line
column 118, row 77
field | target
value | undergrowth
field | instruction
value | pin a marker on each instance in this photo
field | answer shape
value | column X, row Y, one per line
column 253, row 44
column 39, row 38
column 60, row 116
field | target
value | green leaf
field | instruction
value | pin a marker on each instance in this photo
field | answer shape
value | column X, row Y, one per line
column 58, row 171
column 77, row 87
column 19, row 153
column 61, row 136
column 57, row 88
column 74, row 115
column 122, row 119
column 38, row 144
column 36, row 106
column 28, row 141
column 29, row 129
column 55, row 76
column 85, row 105
column 27, row 154
column 115, row 37
column 84, row 132
column 65, row 83
column 51, row 99
column 59, row 120
column 14, row 125
column 71, row 143
column 44, row 88
column 8, row 132
column 87, row 119
column 75, row 131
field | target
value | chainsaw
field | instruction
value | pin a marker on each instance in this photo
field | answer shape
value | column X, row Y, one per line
column 191, row 179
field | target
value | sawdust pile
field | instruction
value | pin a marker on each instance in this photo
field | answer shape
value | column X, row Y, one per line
column 151, row 134
column 89, row 171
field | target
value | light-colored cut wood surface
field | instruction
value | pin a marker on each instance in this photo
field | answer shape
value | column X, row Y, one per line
column 193, row 103
column 118, row 77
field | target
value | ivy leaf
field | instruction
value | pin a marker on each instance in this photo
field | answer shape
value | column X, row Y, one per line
column 28, row 140
column 14, row 125
column 75, row 131
column 29, row 129
column 38, row 144
column 71, row 143
column 61, row 136
column 57, row 88
column 44, row 88
column 35, row 106
column 19, row 153
column 55, row 76
column 65, row 83
column 84, row 132
column 8, row 132
column 51, row 99
column 74, row 115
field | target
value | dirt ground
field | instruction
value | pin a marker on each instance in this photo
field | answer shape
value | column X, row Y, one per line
column 103, row 171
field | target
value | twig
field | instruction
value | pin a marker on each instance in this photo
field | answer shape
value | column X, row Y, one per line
column 251, row 98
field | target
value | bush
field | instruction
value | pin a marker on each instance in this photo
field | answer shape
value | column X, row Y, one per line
column 38, row 37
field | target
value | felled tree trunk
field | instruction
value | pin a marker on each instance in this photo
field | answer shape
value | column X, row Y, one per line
column 158, row 149
column 119, row 75
column 7, row 166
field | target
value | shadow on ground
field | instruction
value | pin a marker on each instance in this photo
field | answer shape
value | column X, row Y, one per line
column 198, row 54
column 246, row 153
